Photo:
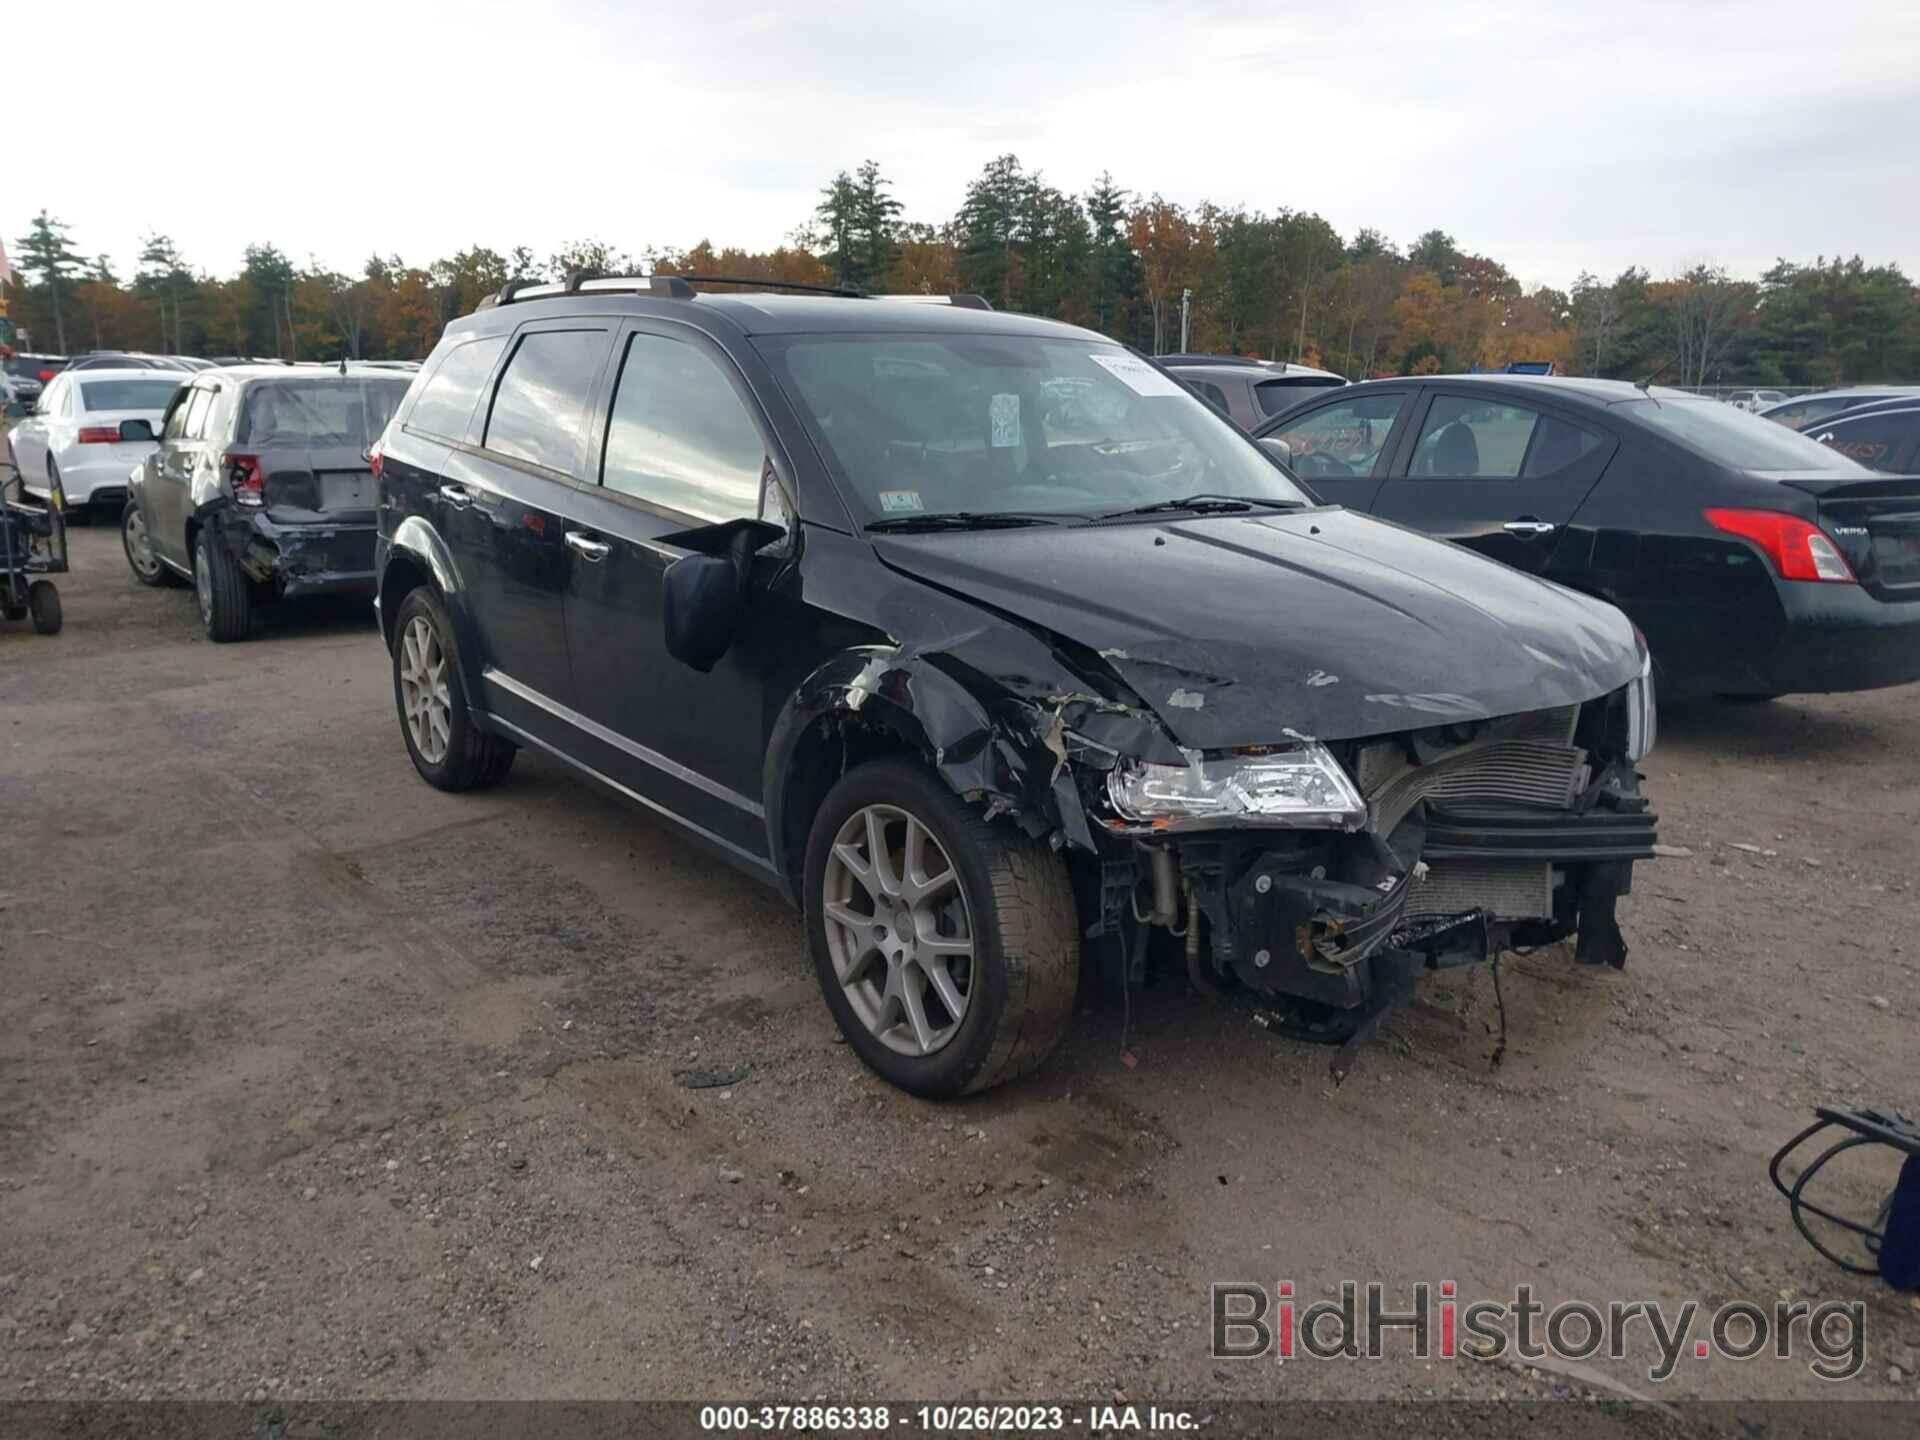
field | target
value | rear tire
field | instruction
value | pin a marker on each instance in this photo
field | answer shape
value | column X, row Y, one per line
column 226, row 600
column 138, row 545
column 449, row 750
column 1019, row 915
column 43, row 599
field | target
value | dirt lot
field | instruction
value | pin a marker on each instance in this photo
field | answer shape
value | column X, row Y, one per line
column 318, row 1082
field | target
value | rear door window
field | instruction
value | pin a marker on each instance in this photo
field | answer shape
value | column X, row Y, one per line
column 447, row 399
column 1464, row 438
column 1212, row 394
column 540, row 408
column 679, row 435
column 197, row 407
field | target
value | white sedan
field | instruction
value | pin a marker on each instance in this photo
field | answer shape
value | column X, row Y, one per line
column 74, row 433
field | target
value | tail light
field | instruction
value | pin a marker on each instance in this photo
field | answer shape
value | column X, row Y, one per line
column 376, row 459
column 46, row 375
column 99, row 434
column 1799, row 549
column 244, row 478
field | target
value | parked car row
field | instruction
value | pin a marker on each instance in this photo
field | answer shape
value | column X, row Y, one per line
column 1756, row 561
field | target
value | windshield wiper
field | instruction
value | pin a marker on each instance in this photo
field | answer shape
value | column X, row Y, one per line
column 964, row 520
column 1210, row 504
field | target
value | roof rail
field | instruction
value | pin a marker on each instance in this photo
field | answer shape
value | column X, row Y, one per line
column 846, row 291
column 669, row 286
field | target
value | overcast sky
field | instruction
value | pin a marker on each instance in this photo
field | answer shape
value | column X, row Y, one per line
column 1555, row 135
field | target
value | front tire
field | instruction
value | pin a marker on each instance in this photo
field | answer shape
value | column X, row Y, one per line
column 948, row 948
column 447, row 748
column 226, row 600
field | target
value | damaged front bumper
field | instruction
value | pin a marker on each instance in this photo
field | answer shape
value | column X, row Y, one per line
column 1476, row 839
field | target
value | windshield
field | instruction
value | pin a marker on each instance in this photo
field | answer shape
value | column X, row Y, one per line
column 127, row 394
column 343, row 411
column 1737, row 437
column 940, row 424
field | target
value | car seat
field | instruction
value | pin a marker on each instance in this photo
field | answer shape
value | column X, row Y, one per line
column 1454, row 451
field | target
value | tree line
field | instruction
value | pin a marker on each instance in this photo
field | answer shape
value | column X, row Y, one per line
column 1280, row 285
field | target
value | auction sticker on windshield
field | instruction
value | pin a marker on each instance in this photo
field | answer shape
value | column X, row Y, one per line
column 1004, row 411
column 896, row 502
column 1137, row 375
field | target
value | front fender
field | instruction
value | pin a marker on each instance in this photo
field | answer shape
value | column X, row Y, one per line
column 415, row 552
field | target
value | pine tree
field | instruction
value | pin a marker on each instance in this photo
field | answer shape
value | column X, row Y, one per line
column 989, row 226
column 47, row 251
column 876, row 217
column 1115, row 271
column 839, row 216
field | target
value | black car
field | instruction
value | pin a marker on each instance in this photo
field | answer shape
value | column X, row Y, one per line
column 1880, row 437
column 1247, row 391
column 978, row 636
column 1803, row 410
column 260, row 488
column 1757, row 562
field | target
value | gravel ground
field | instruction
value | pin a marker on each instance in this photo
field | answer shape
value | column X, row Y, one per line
column 320, row 1083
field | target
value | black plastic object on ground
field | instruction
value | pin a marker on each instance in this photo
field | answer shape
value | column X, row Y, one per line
column 1893, row 1239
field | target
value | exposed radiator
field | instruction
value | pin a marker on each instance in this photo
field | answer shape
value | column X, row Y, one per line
column 1509, row 889
column 1518, row 760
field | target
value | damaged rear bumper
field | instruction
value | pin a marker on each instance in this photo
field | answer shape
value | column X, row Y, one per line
column 304, row 559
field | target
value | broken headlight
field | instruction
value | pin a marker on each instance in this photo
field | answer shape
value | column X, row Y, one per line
column 1641, row 711
column 1303, row 785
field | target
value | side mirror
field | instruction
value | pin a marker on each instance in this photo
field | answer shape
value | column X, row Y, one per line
column 1279, row 450
column 704, row 595
column 701, row 606
column 138, row 431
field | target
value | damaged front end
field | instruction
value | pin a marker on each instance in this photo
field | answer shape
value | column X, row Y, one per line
column 1318, row 880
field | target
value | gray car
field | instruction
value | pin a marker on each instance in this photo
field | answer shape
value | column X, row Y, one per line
column 1247, row 391
column 261, row 487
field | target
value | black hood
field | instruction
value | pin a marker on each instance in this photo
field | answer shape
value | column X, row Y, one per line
column 1246, row 630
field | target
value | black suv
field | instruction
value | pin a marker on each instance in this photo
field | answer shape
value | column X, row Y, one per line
column 980, row 637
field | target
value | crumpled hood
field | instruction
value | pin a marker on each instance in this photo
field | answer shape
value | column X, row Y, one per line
column 1245, row 630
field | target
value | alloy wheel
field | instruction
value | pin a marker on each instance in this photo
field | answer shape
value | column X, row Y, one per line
column 139, row 544
column 424, row 697
column 898, row 930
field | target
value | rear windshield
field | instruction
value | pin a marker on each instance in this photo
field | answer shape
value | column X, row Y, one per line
column 341, row 411
column 126, row 394
column 1737, row 437
column 1277, row 395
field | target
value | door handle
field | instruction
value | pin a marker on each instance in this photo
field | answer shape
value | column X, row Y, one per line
column 587, row 547
column 1528, row 527
column 457, row 496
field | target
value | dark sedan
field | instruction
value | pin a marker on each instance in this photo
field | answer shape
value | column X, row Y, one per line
column 1756, row 561
column 1880, row 437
